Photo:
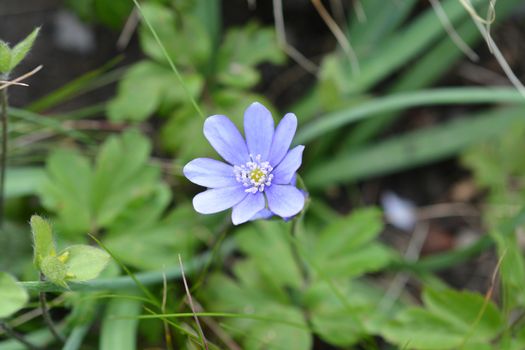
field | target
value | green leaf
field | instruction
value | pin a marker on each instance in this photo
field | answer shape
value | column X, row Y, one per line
column 43, row 243
column 186, row 40
column 146, row 87
column 271, row 235
column 12, row 296
column 462, row 309
column 23, row 181
column 451, row 319
column 67, row 189
column 412, row 149
column 20, row 51
column 84, row 263
column 158, row 244
column 242, row 50
column 5, row 57
column 87, row 197
column 339, row 324
column 420, row 329
column 346, row 248
column 120, row 325
column 251, row 295
column 113, row 13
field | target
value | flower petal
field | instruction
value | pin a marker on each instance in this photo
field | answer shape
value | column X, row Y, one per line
column 210, row 173
column 285, row 171
column 218, row 199
column 262, row 214
column 282, row 138
column 247, row 208
column 226, row 139
column 284, row 200
column 258, row 129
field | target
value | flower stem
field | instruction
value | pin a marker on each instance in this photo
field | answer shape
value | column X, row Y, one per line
column 3, row 150
column 15, row 335
column 47, row 317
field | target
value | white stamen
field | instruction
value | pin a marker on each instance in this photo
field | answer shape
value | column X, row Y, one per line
column 254, row 175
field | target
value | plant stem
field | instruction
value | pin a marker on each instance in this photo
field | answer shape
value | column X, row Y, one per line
column 47, row 316
column 3, row 150
column 15, row 335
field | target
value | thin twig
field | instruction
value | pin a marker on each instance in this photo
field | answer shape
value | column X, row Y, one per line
column 47, row 317
column 291, row 51
column 479, row 22
column 338, row 34
column 449, row 28
column 17, row 336
column 216, row 328
column 190, row 300
column 359, row 11
column 11, row 83
column 395, row 289
column 128, row 30
column 167, row 332
column 20, row 78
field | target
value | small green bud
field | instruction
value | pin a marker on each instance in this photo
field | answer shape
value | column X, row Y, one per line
column 43, row 240
column 54, row 270
column 5, row 57
column 10, row 58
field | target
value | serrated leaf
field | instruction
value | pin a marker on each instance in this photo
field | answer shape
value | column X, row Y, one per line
column 228, row 295
column 84, row 262
column 265, row 240
column 12, row 296
column 43, row 243
column 184, row 38
column 450, row 319
column 88, row 197
column 153, row 246
column 20, row 51
column 462, row 310
column 242, row 50
column 147, row 87
column 345, row 248
column 5, row 57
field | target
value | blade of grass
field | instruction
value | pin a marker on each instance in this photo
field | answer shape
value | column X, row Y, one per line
column 23, row 181
column 441, row 58
column 406, row 45
column 412, row 149
column 87, row 82
column 137, row 282
column 119, row 326
column 404, row 100
column 47, row 122
column 170, row 61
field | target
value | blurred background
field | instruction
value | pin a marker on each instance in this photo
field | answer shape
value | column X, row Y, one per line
column 402, row 104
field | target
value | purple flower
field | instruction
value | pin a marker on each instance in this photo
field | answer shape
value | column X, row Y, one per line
column 257, row 179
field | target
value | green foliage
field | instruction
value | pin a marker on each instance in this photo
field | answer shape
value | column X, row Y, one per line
column 216, row 74
column 11, row 57
column 75, row 263
column 42, row 239
column 450, row 320
column 272, row 284
column 88, row 198
column 84, row 262
column 12, row 296
column 109, row 13
column 119, row 326
column 499, row 168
